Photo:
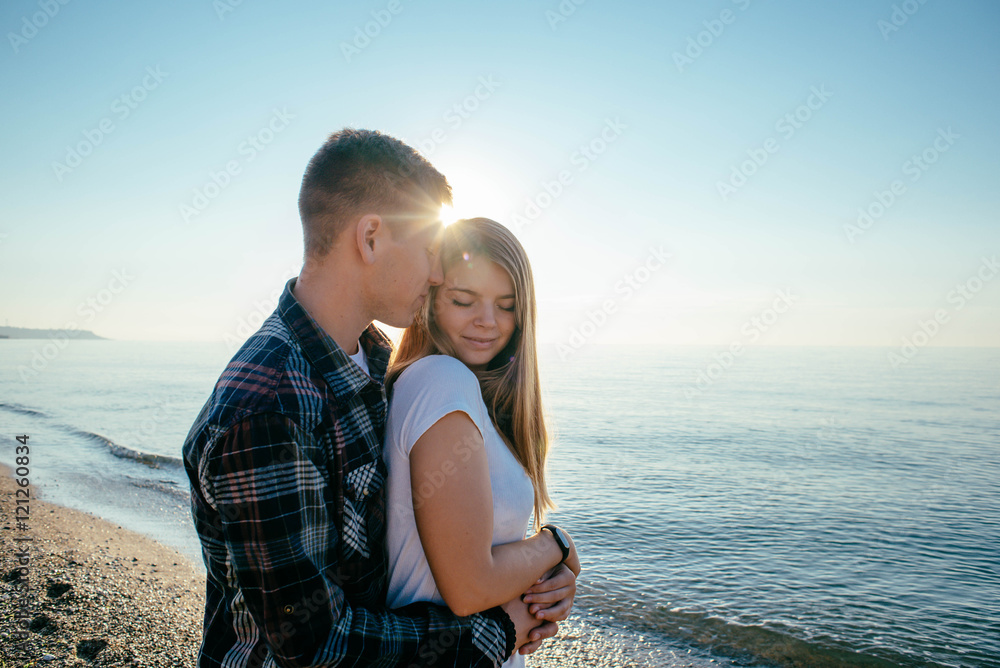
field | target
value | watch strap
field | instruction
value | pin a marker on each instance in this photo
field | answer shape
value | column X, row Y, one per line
column 557, row 534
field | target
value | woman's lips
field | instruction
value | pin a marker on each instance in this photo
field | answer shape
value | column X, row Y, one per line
column 478, row 343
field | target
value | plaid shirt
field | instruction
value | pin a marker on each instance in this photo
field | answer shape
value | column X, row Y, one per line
column 287, row 477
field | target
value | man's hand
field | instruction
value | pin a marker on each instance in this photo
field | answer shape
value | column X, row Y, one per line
column 552, row 597
column 530, row 633
column 546, row 630
column 550, row 600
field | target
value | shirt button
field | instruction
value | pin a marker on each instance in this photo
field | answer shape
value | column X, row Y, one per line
column 289, row 609
column 364, row 492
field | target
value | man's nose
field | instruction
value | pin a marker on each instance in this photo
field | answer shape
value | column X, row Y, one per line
column 437, row 273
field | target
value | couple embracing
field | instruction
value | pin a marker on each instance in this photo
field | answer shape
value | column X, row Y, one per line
column 359, row 508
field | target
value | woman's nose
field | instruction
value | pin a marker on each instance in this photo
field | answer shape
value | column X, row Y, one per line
column 486, row 317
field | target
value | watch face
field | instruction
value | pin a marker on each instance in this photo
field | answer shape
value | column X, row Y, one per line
column 560, row 536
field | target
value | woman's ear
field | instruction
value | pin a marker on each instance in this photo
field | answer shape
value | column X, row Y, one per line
column 369, row 231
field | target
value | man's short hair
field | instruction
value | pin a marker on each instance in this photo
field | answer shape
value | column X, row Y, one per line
column 357, row 172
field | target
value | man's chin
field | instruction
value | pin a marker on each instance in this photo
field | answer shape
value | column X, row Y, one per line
column 400, row 322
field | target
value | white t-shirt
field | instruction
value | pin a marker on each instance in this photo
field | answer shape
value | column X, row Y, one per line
column 426, row 391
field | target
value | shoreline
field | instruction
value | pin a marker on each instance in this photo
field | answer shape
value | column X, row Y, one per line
column 100, row 595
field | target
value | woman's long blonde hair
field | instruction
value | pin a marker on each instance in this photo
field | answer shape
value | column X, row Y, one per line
column 510, row 385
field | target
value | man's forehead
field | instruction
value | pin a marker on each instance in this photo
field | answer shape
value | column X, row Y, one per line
column 425, row 225
column 431, row 227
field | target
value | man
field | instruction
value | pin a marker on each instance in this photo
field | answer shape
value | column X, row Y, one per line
column 285, row 459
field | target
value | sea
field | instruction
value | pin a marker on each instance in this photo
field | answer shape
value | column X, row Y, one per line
column 786, row 507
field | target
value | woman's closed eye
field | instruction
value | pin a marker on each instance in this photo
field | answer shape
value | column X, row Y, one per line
column 508, row 309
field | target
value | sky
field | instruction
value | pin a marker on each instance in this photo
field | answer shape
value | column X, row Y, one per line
column 730, row 172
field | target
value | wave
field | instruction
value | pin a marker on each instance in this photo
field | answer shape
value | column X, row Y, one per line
column 169, row 487
column 124, row 452
column 770, row 645
column 23, row 410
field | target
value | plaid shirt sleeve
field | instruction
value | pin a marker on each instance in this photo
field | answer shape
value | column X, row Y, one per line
column 277, row 499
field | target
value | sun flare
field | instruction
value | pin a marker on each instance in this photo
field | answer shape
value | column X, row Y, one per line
column 462, row 208
column 478, row 192
column 449, row 215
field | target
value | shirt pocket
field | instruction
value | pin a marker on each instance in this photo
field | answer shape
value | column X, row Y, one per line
column 364, row 491
column 365, row 481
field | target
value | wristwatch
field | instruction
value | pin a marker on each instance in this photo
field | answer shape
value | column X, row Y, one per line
column 561, row 540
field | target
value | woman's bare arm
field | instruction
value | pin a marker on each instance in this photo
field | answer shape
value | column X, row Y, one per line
column 453, row 505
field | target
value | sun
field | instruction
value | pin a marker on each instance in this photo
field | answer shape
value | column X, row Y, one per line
column 478, row 192
column 449, row 215
column 468, row 206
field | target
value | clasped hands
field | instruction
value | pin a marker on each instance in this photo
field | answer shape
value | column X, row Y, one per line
column 550, row 600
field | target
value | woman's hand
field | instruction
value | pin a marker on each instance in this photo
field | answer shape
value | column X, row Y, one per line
column 551, row 598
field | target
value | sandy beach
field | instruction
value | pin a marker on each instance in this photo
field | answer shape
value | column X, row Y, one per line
column 98, row 595
column 95, row 594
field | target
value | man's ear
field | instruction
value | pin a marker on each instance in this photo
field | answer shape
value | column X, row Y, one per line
column 370, row 231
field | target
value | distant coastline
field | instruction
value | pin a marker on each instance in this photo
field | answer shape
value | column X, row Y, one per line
column 26, row 333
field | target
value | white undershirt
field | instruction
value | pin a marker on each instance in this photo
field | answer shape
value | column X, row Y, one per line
column 361, row 359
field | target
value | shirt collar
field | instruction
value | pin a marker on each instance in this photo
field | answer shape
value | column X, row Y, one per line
column 344, row 377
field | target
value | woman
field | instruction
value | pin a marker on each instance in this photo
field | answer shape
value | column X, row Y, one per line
column 466, row 441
